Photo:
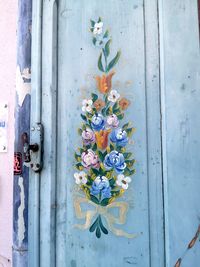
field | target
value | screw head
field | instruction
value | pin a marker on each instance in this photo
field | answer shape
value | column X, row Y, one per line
column 32, row 128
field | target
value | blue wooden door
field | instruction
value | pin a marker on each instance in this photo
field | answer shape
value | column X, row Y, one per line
column 155, row 81
column 77, row 67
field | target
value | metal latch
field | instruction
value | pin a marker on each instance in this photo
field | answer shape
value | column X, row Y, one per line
column 33, row 152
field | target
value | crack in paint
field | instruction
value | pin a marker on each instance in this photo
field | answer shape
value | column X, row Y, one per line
column 21, row 223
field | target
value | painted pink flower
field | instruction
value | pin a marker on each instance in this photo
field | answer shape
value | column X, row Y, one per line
column 88, row 136
column 90, row 159
column 112, row 121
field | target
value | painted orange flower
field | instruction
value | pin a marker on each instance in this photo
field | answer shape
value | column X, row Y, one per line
column 102, row 138
column 104, row 83
column 124, row 103
column 99, row 104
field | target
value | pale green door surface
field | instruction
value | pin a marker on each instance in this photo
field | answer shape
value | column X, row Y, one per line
column 159, row 73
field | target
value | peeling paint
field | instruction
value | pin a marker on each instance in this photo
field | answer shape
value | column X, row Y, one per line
column 21, row 223
column 23, row 84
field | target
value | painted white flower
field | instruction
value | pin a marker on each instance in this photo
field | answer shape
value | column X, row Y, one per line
column 113, row 96
column 112, row 121
column 98, row 27
column 80, row 177
column 87, row 105
column 123, row 181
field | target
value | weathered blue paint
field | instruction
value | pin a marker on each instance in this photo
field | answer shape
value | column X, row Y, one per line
column 159, row 72
column 134, row 30
column 180, row 101
column 22, row 124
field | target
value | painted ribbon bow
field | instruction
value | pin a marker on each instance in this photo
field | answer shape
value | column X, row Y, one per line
column 104, row 211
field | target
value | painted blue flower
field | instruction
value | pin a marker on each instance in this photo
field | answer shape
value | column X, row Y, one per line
column 115, row 160
column 98, row 122
column 101, row 185
column 119, row 137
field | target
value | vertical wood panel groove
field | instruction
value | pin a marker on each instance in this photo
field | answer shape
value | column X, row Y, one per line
column 153, row 134
column 163, row 132
column 147, row 138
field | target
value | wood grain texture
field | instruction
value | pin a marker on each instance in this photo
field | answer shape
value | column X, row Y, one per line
column 181, row 126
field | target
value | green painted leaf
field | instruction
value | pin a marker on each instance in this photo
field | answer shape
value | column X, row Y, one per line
column 94, row 97
column 103, row 229
column 120, row 116
column 103, row 111
column 115, row 106
column 112, row 182
column 130, row 131
column 99, row 20
column 94, row 225
column 105, row 202
column 94, row 40
column 102, row 169
column 94, row 199
column 88, row 147
column 109, row 111
column 81, row 150
column 115, row 193
column 98, row 232
column 84, row 127
column 88, row 115
column 106, row 99
column 106, row 34
column 101, row 156
column 79, row 166
column 95, row 171
column 108, row 174
column 77, row 157
column 80, row 131
column 130, row 163
column 112, row 147
column 100, row 65
column 92, row 23
column 104, row 154
column 132, row 172
column 125, row 126
column 94, row 148
column 84, row 117
column 107, row 48
column 121, row 149
column 113, row 62
column 89, row 182
column 127, row 155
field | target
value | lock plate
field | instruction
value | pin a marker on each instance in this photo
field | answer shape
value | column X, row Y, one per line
column 35, row 148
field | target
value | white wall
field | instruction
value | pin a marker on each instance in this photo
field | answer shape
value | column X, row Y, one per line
column 8, row 17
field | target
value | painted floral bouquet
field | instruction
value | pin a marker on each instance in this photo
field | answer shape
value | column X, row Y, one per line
column 104, row 162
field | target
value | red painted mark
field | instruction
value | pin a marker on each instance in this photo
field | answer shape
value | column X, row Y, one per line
column 17, row 163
